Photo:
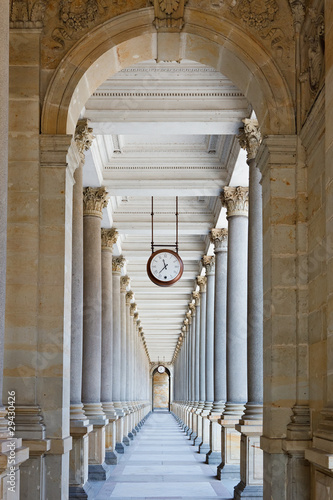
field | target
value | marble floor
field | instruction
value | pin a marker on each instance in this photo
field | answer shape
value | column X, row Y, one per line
column 161, row 463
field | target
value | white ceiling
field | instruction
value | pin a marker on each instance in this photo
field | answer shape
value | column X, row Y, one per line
column 165, row 130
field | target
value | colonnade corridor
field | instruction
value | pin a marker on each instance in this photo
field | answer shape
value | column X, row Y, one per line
column 162, row 463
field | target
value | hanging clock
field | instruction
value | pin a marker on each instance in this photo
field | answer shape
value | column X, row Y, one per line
column 164, row 267
column 161, row 369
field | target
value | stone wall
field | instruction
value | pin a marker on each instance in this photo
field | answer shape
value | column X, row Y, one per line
column 161, row 390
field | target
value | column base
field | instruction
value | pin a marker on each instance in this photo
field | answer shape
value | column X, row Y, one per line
column 131, row 436
column 241, row 491
column 204, row 448
column 111, row 457
column 228, row 471
column 126, row 441
column 213, row 458
column 120, row 448
column 197, row 441
column 98, row 472
column 80, row 492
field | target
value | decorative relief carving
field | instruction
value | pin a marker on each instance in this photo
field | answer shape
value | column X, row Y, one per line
column 259, row 14
column 75, row 16
column 192, row 308
column 208, row 261
column 316, row 49
column 236, row 200
column 124, row 283
column 219, row 236
column 118, row 263
column 298, row 11
column 83, row 136
column 169, row 14
column 202, row 282
column 109, row 238
column 27, row 14
column 250, row 137
column 94, row 200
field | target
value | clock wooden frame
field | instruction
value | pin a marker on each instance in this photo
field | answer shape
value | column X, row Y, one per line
column 156, row 280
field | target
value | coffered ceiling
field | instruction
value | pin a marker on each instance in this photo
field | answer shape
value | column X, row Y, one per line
column 165, row 130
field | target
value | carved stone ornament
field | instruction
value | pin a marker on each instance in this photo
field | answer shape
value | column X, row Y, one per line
column 94, row 200
column 183, row 329
column 186, row 321
column 202, row 282
column 192, row 308
column 124, row 283
column 133, row 309
column 109, row 238
column 136, row 317
column 196, row 297
column 75, row 16
column 27, row 14
column 140, row 329
column 118, row 263
column 257, row 14
column 83, row 136
column 236, row 200
column 250, row 137
column 298, row 12
column 219, row 236
column 208, row 261
column 316, row 50
column 169, row 14
column 129, row 297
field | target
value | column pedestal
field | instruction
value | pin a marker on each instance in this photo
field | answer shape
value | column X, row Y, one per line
column 214, row 455
column 251, row 466
column 97, row 468
column 78, row 459
column 230, row 447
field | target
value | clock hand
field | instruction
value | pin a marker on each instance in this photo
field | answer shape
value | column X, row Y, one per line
column 165, row 266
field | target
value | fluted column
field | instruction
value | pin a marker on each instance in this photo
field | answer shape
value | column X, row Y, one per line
column 129, row 331
column 198, row 439
column 117, row 264
column 94, row 200
column 220, row 239
column 209, row 263
column 203, row 425
column 79, row 424
column 194, row 404
column 124, row 283
column 236, row 201
column 250, row 424
column 109, row 238
column 135, row 325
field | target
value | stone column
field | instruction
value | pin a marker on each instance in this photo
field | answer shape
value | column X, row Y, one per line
column 124, row 283
column 250, row 424
column 129, row 331
column 94, row 200
column 135, row 327
column 220, row 239
column 194, row 369
column 117, row 264
column 79, row 424
column 204, row 446
column 236, row 201
column 109, row 238
column 209, row 264
column 190, row 372
column 197, row 409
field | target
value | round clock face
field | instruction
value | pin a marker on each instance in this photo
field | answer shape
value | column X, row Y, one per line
column 161, row 369
column 165, row 267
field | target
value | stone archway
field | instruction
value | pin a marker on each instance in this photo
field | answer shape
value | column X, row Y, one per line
column 131, row 38
column 161, row 390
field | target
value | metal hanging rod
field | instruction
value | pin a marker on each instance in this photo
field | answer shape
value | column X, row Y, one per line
column 152, row 227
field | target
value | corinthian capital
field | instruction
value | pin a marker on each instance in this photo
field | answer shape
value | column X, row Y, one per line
column 250, row 137
column 124, row 282
column 118, row 263
column 109, row 238
column 196, row 297
column 236, row 200
column 208, row 261
column 129, row 297
column 192, row 308
column 219, row 236
column 94, row 200
column 133, row 309
column 202, row 282
column 83, row 136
